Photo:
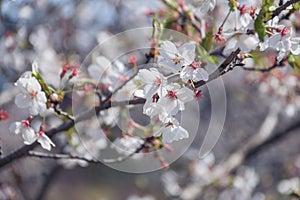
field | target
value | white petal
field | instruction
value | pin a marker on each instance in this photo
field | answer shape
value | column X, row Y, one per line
column 29, row 135
column 248, row 42
column 22, row 100
column 15, row 127
column 274, row 40
column 185, row 94
column 231, row 46
column 168, row 136
column 186, row 74
column 103, row 62
column 187, row 51
column 200, row 74
column 168, row 49
column 45, row 142
column 34, row 67
column 180, row 133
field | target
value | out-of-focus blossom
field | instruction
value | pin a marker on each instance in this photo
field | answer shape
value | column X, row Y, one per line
column 3, row 115
column 127, row 144
column 170, row 183
column 136, row 197
column 287, row 186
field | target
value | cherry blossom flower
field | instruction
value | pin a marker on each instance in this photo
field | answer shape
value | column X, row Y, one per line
column 241, row 40
column 24, row 128
column 44, row 140
column 31, row 96
column 171, row 131
column 153, row 82
column 283, row 41
column 193, row 72
column 173, row 59
column 30, row 135
column 172, row 102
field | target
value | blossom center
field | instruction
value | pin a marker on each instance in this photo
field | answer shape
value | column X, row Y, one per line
column 158, row 81
column 33, row 94
column 40, row 133
column 196, row 65
column 172, row 94
column 176, row 60
column 25, row 123
column 285, row 31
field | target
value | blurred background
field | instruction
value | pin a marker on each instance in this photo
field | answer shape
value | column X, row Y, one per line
column 56, row 32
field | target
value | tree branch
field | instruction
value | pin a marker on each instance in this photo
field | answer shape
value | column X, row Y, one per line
column 222, row 69
column 283, row 7
column 57, row 156
column 275, row 65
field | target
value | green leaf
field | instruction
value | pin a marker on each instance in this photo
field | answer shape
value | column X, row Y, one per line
column 204, row 56
column 259, row 25
column 213, row 59
column 294, row 61
column 208, row 40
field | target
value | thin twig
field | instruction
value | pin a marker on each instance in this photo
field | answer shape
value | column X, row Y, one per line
column 120, row 159
column 57, row 156
column 59, row 111
column 275, row 65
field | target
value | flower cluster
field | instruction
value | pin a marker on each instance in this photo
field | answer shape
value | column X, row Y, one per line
column 31, row 133
column 164, row 100
column 282, row 39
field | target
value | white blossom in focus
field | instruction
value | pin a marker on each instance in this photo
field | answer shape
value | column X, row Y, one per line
column 171, row 131
column 193, row 72
column 243, row 41
column 171, row 103
column 25, row 130
column 173, row 59
column 30, row 134
column 31, row 96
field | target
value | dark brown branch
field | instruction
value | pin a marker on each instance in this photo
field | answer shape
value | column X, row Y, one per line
column 66, row 126
column 222, row 69
column 283, row 7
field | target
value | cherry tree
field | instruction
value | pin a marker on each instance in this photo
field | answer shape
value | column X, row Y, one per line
column 133, row 100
